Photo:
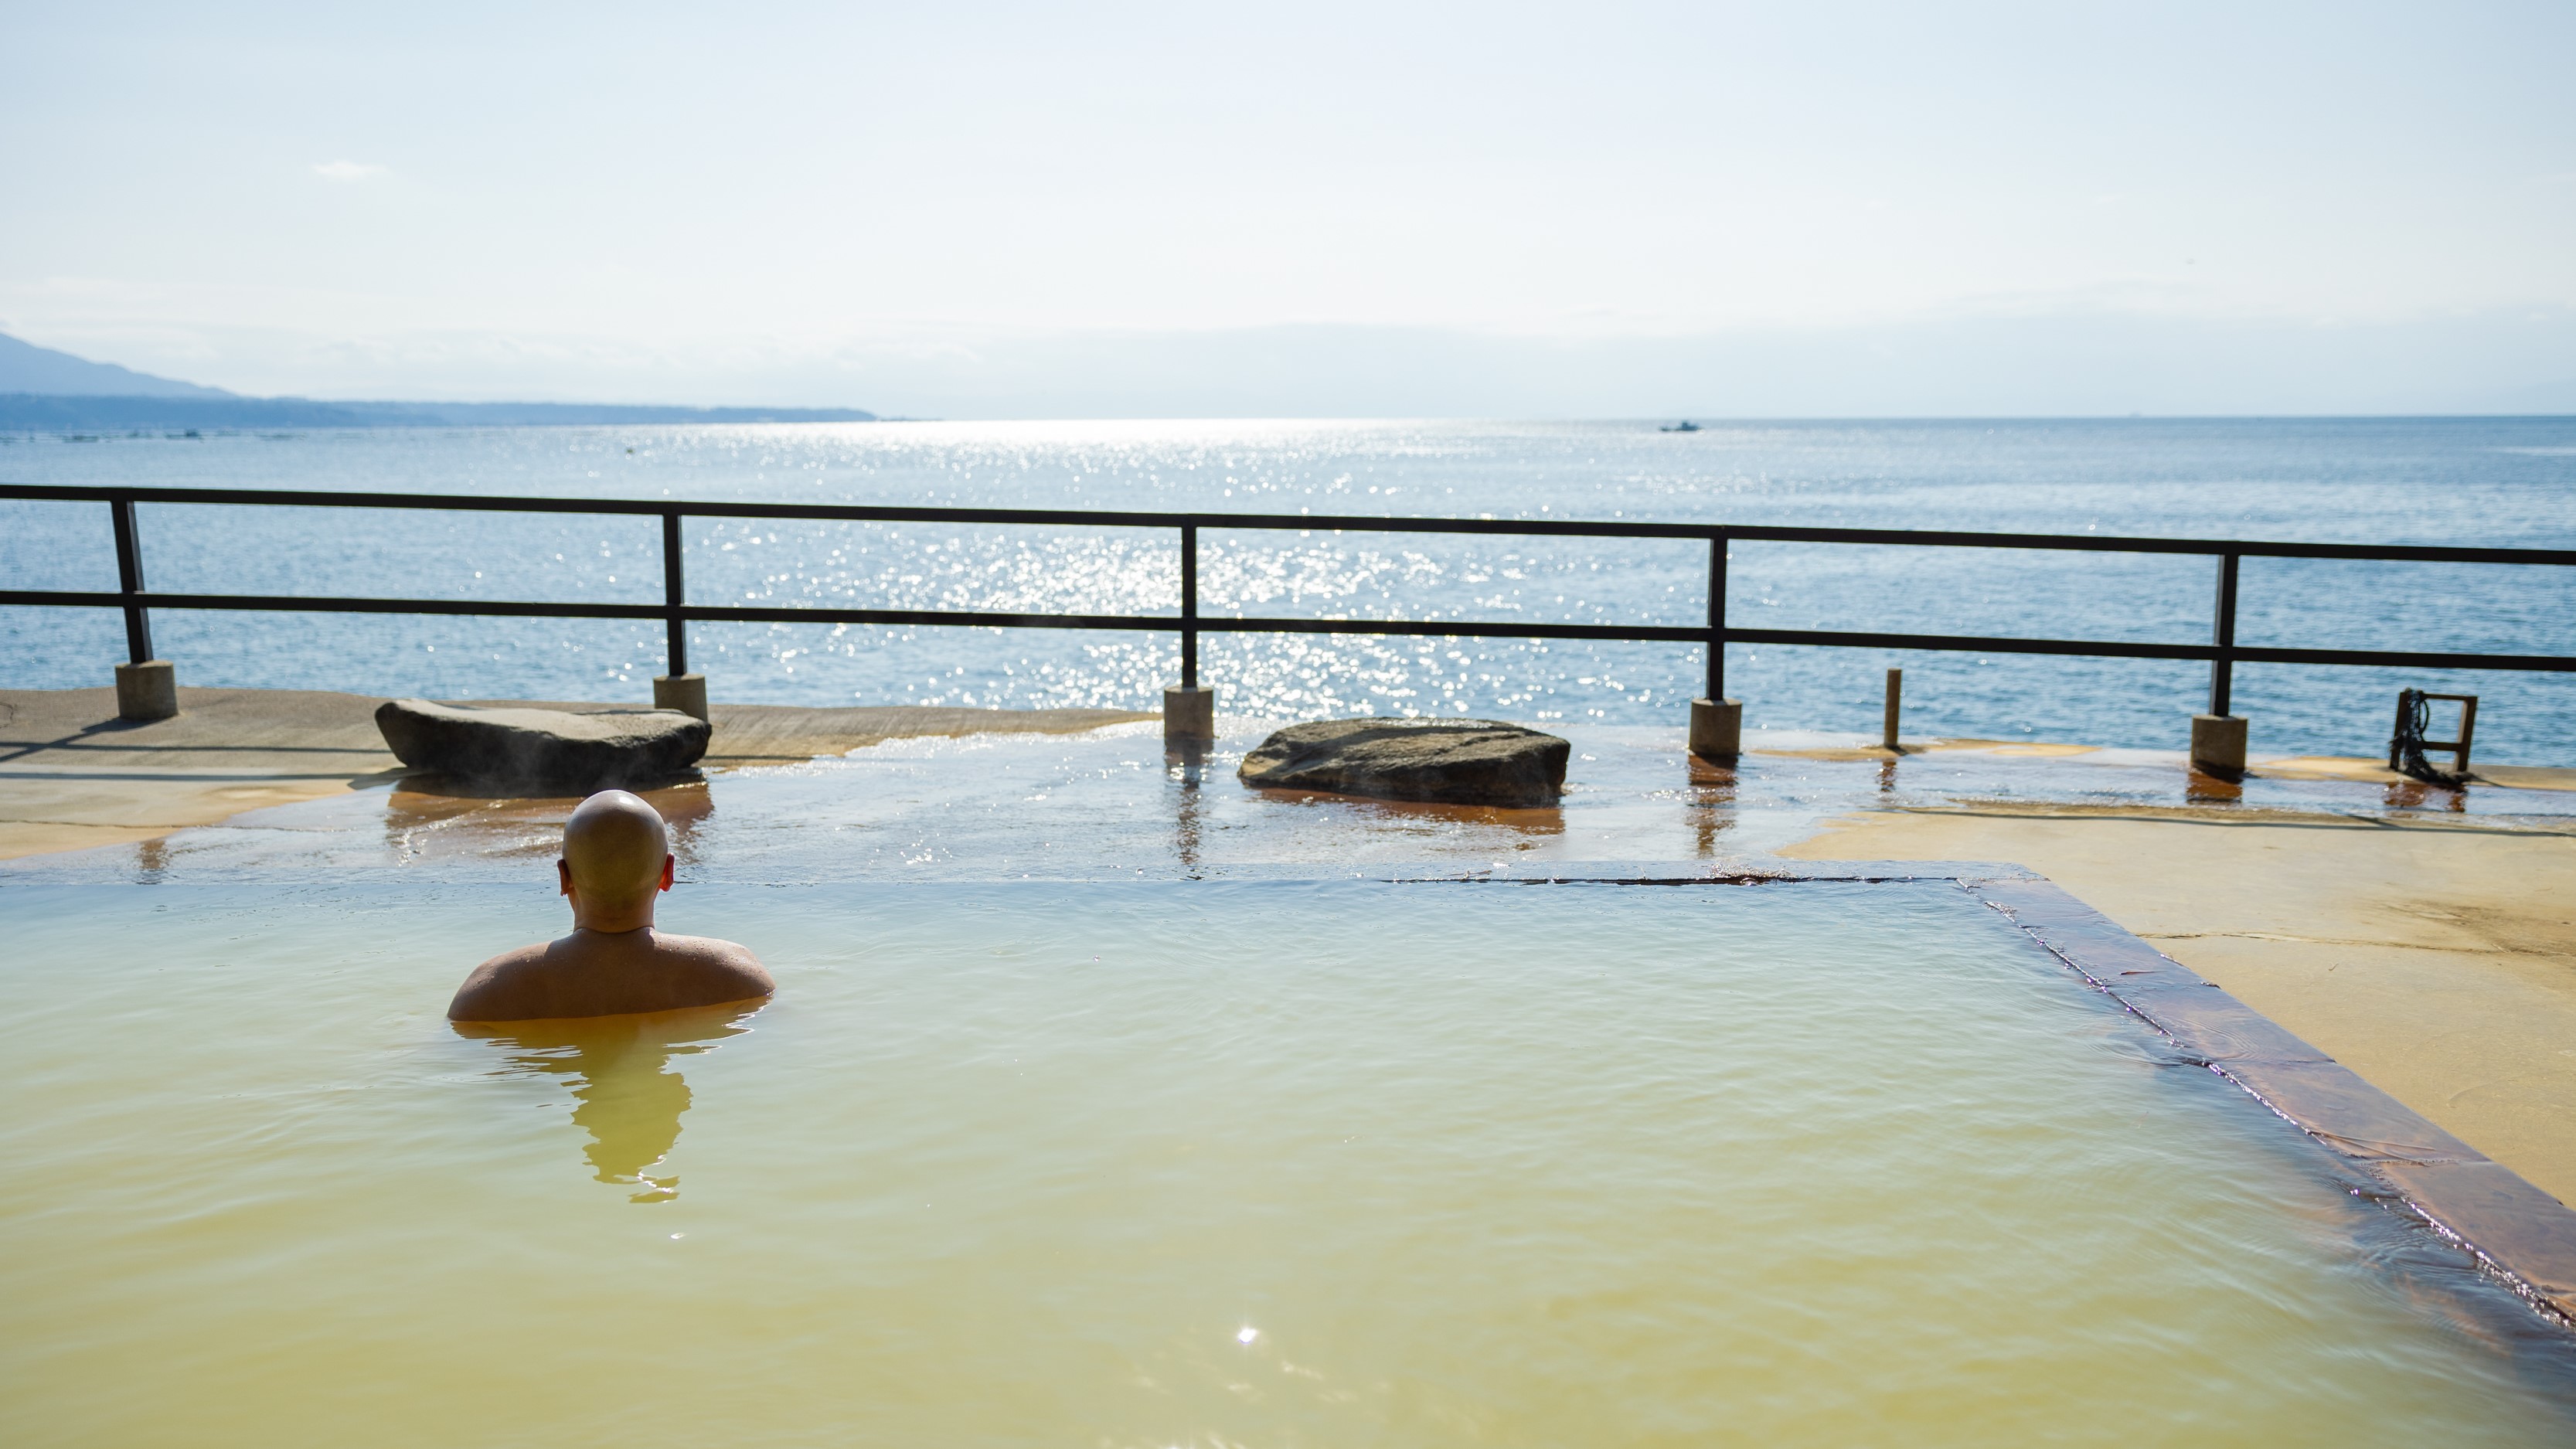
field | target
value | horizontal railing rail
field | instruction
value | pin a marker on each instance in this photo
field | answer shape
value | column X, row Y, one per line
column 1251, row 624
column 1277, row 522
column 2222, row 652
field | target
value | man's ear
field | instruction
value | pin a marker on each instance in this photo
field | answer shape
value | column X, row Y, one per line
column 563, row 877
column 668, row 863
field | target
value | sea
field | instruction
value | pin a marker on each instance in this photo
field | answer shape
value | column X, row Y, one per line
column 2482, row 481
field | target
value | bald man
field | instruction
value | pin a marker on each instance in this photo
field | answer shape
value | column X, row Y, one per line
column 616, row 860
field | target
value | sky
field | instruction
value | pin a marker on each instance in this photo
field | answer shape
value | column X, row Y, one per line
column 1141, row 210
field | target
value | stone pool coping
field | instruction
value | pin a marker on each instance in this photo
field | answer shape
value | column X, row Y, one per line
column 2522, row 1235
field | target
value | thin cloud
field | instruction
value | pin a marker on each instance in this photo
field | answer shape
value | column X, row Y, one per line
column 347, row 171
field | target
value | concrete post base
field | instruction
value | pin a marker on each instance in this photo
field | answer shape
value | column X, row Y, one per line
column 686, row 693
column 1189, row 715
column 1717, row 728
column 2218, row 744
column 149, row 690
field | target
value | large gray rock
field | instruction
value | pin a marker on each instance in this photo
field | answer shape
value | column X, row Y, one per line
column 543, row 749
column 1450, row 761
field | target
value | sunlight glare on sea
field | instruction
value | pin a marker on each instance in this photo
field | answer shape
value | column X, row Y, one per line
column 2495, row 481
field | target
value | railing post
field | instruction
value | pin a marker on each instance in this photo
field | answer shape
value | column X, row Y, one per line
column 1189, row 606
column 1717, row 617
column 1189, row 712
column 2222, row 632
column 146, row 688
column 674, row 592
column 129, row 582
column 1716, row 722
column 2218, row 736
column 678, row 689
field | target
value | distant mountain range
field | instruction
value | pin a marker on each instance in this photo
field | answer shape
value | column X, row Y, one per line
column 27, row 368
column 45, row 391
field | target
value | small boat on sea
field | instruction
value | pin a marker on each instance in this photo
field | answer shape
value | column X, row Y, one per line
column 1684, row 426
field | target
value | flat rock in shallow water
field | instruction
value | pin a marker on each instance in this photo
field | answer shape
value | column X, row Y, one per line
column 1448, row 761
column 543, row 748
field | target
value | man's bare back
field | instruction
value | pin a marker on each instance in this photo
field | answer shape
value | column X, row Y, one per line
column 616, row 862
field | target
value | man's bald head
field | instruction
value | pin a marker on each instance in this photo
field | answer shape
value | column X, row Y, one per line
column 614, row 847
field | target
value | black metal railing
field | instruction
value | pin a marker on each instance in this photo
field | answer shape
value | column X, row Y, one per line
column 2223, row 653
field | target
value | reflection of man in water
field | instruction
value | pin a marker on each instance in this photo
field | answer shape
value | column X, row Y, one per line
column 616, row 860
column 627, row 1093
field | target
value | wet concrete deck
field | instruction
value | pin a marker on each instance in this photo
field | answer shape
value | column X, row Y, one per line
column 73, row 775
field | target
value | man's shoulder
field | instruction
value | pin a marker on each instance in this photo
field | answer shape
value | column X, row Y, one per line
column 527, row 955
column 717, row 957
column 488, row 986
column 704, row 948
column 509, row 963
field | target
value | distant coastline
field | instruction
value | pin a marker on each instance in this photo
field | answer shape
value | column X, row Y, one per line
column 46, row 391
column 22, row 412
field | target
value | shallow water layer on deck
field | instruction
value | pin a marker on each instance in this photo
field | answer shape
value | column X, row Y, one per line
column 1113, row 801
column 1185, row 1163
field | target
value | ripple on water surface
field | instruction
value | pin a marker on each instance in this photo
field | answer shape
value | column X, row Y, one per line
column 1181, row 1163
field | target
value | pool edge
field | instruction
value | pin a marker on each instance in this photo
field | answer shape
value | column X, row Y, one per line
column 2522, row 1234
